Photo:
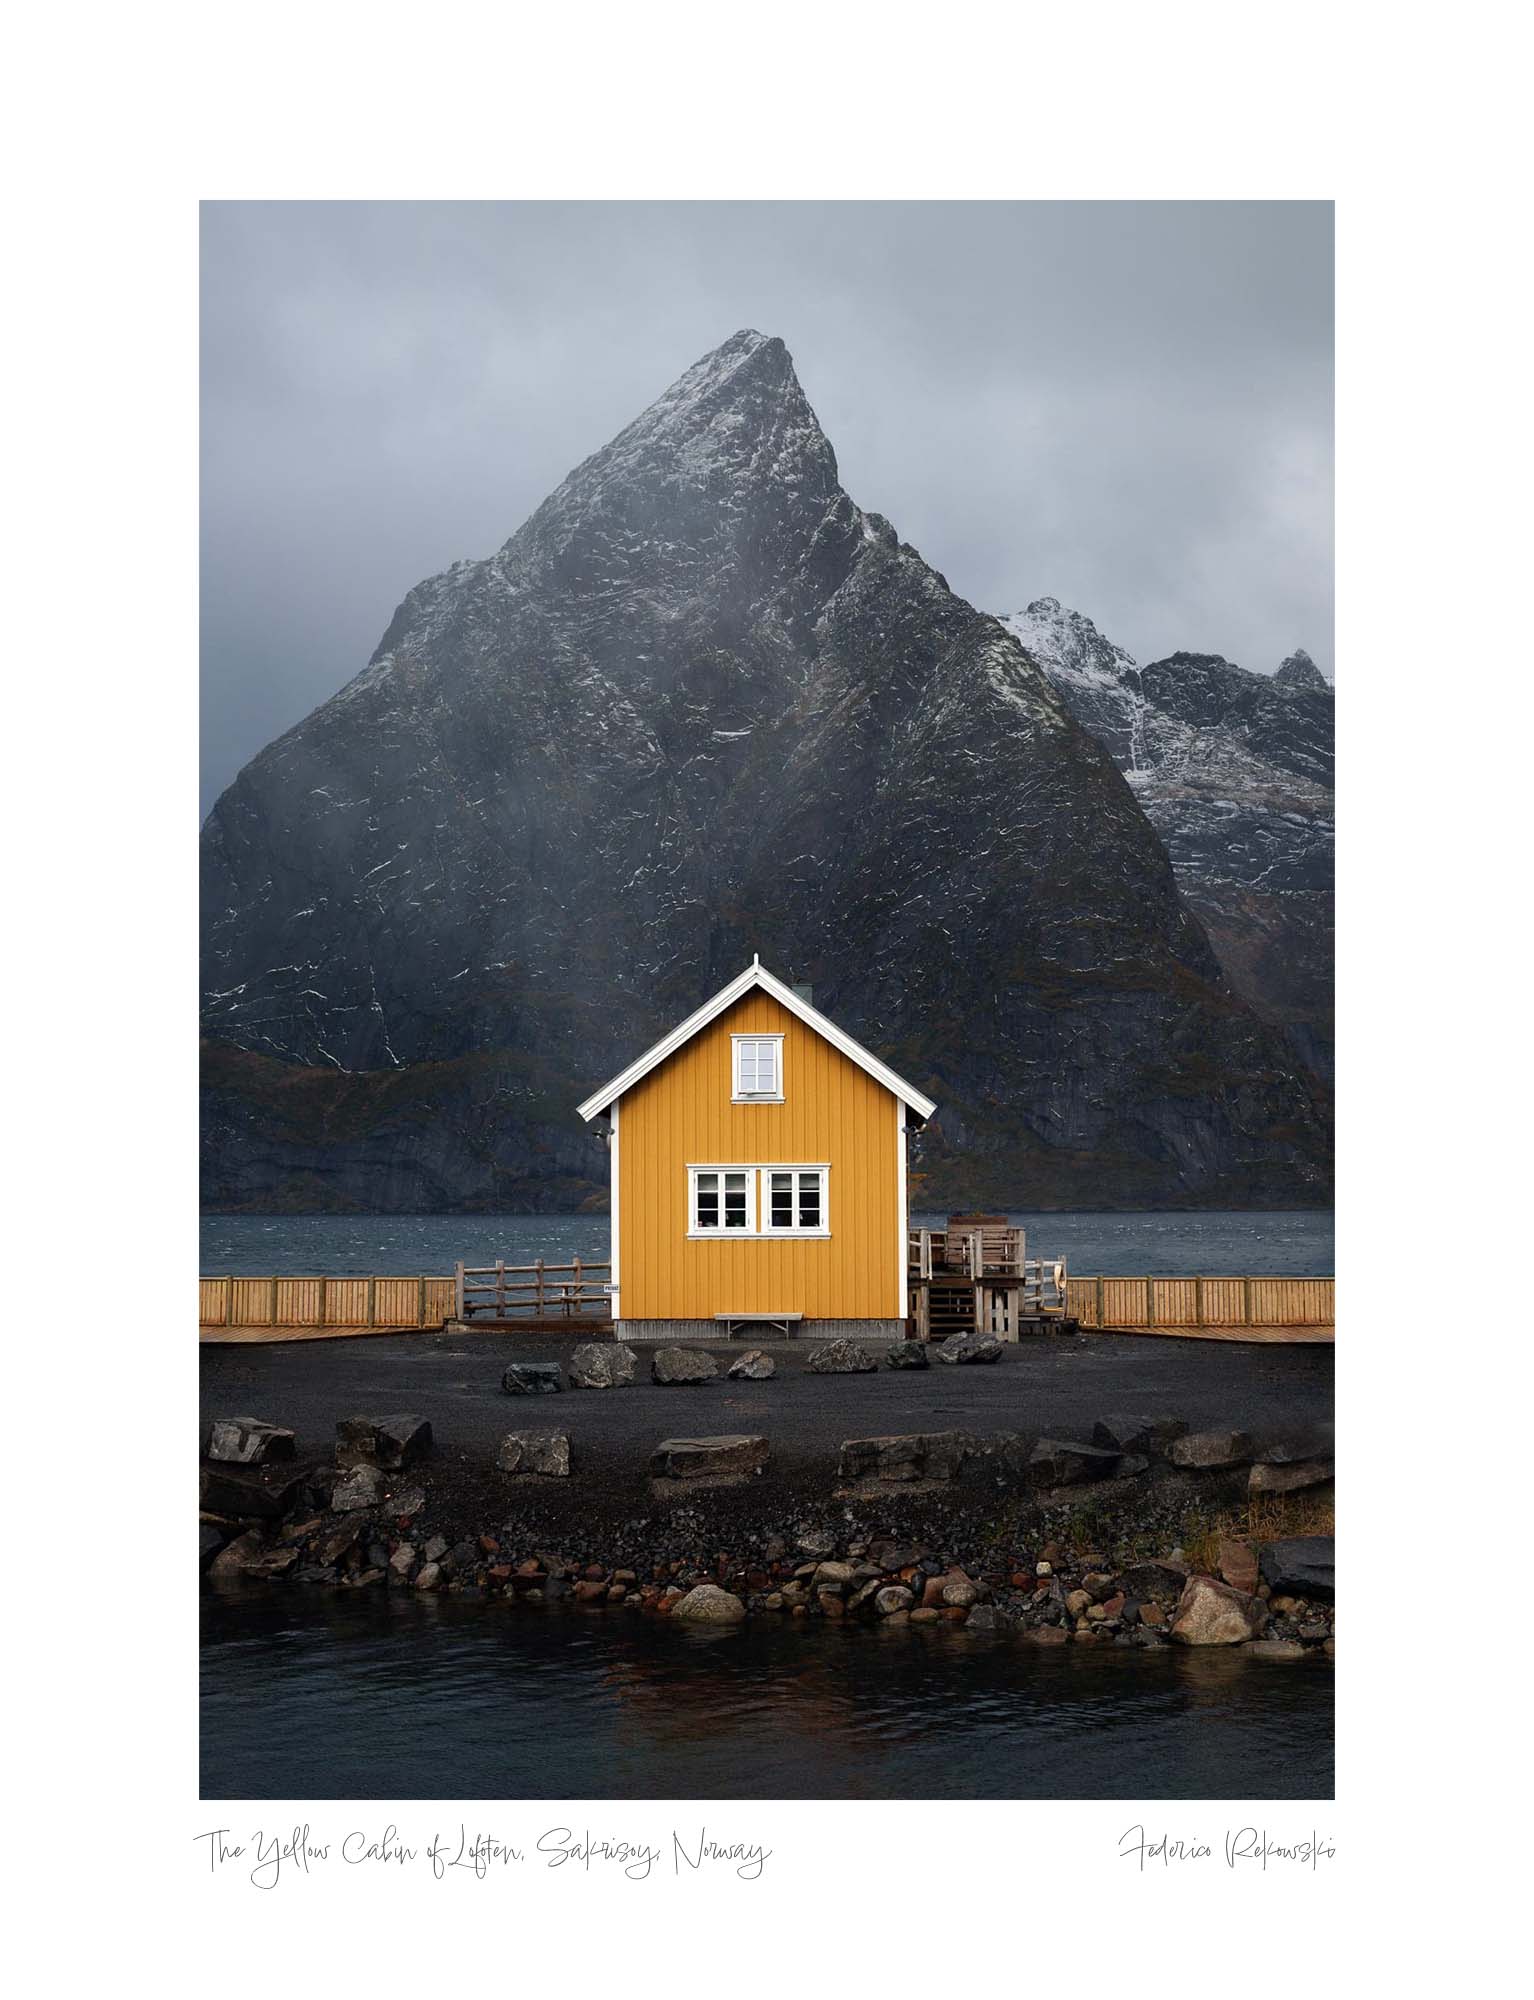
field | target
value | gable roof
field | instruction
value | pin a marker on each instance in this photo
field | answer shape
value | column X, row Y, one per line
column 756, row 975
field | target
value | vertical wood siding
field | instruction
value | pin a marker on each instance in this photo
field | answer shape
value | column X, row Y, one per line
column 833, row 1112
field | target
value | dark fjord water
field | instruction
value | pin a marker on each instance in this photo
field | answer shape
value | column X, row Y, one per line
column 1296, row 1244
column 310, row 1695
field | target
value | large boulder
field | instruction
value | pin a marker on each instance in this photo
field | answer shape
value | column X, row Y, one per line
column 1211, row 1451
column 537, row 1454
column 907, row 1354
column 841, row 1357
column 247, row 1493
column 389, row 1442
column 1061, row 1462
column 249, row 1441
column 921, row 1456
column 753, row 1367
column 1212, row 1614
column 707, row 1604
column 1300, row 1566
column 1137, row 1433
column 239, row 1557
column 966, row 1347
column 1236, row 1562
column 603, row 1364
column 677, row 1367
column 532, row 1378
column 709, row 1457
column 1293, row 1478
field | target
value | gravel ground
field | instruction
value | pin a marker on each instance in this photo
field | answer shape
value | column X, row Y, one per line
column 1047, row 1385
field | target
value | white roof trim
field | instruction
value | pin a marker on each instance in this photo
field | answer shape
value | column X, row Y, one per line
column 756, row 975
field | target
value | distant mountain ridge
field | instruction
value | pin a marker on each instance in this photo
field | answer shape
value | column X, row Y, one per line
column 1235, row 772
column 702, row 704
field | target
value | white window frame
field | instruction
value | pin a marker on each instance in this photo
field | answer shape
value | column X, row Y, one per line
column 764, row 1200
column 758, row 1202
column 739, row 1096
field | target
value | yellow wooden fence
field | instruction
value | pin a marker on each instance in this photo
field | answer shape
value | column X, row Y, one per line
column 319, row 1302
column 1202, row 1301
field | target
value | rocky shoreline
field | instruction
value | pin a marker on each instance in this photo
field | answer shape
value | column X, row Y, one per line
column 1143, row 1535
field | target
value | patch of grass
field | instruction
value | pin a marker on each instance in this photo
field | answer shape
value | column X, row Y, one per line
column 1265, row 1517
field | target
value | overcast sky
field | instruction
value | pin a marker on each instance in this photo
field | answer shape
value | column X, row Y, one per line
column 1125, row 406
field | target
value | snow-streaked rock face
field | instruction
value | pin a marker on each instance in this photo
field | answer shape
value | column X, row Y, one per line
column 701, row 704
column 1234, row 770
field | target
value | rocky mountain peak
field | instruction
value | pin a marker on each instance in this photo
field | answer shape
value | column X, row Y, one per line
column 1300, row 670
column 700, row 704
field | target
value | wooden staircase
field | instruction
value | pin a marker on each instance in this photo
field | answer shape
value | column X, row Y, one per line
column 950, row 1306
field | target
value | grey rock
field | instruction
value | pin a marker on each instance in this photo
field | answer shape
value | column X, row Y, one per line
column 361, row 1488
column 247, row 1492
column 604, row 1364
column 1210, row 1451
column 709, row 1457
column 679, row 1367
column 1274, row 1649
column 538, row 1454
column 907, row 1354
column 1162, row 1583
column 1137, row 1433
column 892, row 1598
column 841, row 1357
column 922, row 1455
column 983, row 1618
column 753, row 1367
column 896, row 1555
column 1060, row 1462
column 969, row 1347
column 812, row 1541
column 707, row 1604
column 1301, row 1565
column 532, row 1378
column 389, row 1442
column 249, row 1441
column 407, row 1501
column 240, row 1556
column 1294, row 1478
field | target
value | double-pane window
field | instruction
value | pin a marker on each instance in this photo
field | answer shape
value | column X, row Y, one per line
column 721, row 1199
column 757, row 1201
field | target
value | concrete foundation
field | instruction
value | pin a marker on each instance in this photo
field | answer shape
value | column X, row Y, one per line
column 707, row 1332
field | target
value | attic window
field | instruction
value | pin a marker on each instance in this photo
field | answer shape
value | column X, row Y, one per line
column 758, row 1069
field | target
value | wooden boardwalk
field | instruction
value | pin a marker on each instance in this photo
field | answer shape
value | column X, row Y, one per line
column 1272, row 1336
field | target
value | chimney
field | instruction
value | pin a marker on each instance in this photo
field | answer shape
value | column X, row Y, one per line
column 802, row 990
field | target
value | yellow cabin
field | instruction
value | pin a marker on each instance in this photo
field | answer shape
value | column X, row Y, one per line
column 758, row 1168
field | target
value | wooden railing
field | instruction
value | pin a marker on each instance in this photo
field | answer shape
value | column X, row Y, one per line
column 322, row 1302
column 1141, row 1302
column 575, row 1290
column 966, row 1252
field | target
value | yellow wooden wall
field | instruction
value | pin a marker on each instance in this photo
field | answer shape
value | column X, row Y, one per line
column 833, row 1112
